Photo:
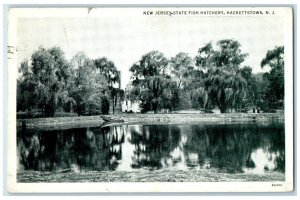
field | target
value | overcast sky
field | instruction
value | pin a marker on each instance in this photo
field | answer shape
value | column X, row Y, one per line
column 125, row 39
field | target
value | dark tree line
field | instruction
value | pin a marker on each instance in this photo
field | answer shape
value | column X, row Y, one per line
column 48, row 83
column 214, row 78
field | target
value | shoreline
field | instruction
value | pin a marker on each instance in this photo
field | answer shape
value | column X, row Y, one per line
column 84, row 121
column 147, row 176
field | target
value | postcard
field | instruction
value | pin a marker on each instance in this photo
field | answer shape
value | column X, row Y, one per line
column 150, row 99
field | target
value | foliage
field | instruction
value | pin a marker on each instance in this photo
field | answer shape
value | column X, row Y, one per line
column 181, row 67
column 25, row 100
column 251, row 89
column 43, row 83
column 109, row 71
column 48, row 83
column 223, row 85
column 151, row 80
column 90, row 86
column 275, row 78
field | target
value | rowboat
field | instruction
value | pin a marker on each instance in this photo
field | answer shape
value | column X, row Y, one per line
column 110, row 119
column 112, row 123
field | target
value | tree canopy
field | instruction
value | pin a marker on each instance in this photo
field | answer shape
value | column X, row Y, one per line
column 223, row 85
column 49, row 83
column 150, row 77
column 45, row 80
column 215, row 77
column 89, row 86
column 275, row 78
column 109, row 71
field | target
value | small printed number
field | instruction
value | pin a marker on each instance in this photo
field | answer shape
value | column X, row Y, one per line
column 276, row 184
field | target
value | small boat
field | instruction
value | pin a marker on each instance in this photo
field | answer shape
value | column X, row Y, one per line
column 112, row 123
column 111, row 119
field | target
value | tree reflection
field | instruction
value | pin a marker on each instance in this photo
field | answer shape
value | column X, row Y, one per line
column 74, row 149
column 229, row 148
column 153, row 145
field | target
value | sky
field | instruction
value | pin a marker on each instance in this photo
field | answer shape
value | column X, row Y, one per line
column 125, row 39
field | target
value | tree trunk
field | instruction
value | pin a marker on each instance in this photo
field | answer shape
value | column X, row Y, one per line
column 222, row 109
column 113, row 104
column 221, row 103
column 49, row 111
column 154, row 106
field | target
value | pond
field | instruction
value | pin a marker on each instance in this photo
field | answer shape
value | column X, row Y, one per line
column 227, row 148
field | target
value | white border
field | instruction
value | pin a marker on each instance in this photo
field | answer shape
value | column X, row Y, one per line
column 13, row 186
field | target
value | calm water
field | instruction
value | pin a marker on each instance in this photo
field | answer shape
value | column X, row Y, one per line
column 230, row 148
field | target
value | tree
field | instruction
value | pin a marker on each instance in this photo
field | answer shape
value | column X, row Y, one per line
column 236, row 92
column 252, row 87
column 223, row 84
column 104, row 105
column 151, row 80
column 262, row 97
column 181, row 67
column 44, row 81
column 25, row 88
column 107, row 69
column 90, row 87
column 275, row 60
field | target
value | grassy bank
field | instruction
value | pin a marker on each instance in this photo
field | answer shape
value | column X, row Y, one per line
column 61, row 122
column 199, row 117
column 147, row 176
column 151, row 118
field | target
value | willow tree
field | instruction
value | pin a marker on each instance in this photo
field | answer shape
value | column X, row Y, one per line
column 150, row 79
column 44, row 81
column 108, row 69
column 252, row 87
column 275, row 89
column 26, row 88
column 222, row 83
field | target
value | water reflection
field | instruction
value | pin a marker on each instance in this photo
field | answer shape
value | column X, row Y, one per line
column 230, row 148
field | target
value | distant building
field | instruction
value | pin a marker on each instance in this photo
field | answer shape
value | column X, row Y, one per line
column 131, row 106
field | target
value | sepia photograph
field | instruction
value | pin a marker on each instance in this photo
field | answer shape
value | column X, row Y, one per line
column 170, row 99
